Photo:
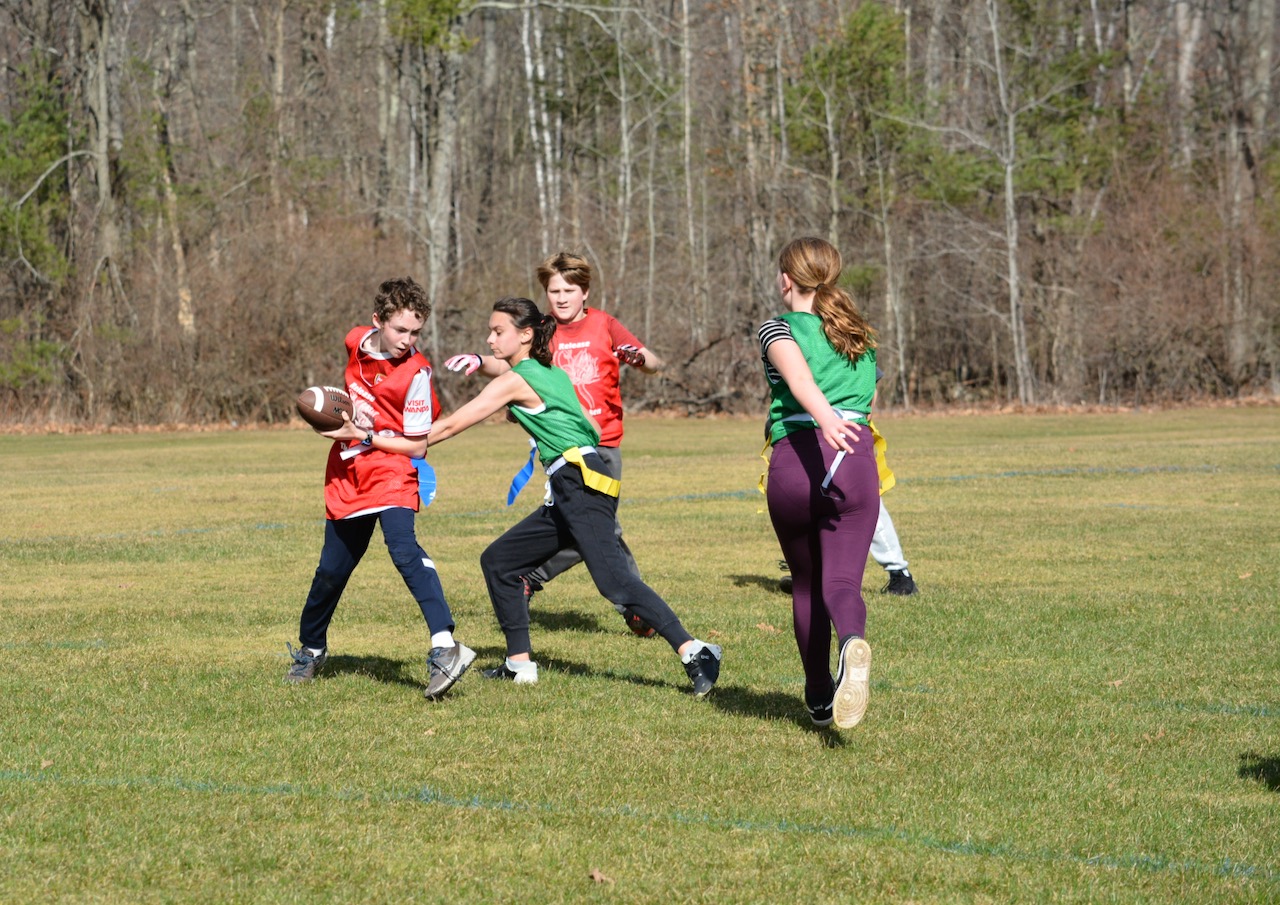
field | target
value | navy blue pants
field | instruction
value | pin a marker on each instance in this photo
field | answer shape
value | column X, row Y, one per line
column 825, row 536
column 345, row 542
column 583, row 518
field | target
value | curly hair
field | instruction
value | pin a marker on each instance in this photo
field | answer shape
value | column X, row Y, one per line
column 524, row 313
column 401, row 294
column 814, row 265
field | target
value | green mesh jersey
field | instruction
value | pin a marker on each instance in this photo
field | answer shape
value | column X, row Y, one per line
column 847, row 386
column 560, row 423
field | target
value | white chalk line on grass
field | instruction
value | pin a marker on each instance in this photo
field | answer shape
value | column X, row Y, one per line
column 426, row 795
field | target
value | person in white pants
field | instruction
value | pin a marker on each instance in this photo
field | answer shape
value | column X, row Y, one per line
column 886, row 549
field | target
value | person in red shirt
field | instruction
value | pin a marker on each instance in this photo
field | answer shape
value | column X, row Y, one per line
column 591, row 347
column 370, row 479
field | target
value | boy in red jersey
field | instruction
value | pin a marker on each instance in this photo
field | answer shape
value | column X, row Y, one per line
column 370, row 478
column 591, row 347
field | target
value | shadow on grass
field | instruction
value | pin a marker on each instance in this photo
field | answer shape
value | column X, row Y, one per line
column 771, row 705
column 396, row 672
column 565, row 622
column 1265, row 770
column 571, row 668
column 383, row 669
column 769, row 583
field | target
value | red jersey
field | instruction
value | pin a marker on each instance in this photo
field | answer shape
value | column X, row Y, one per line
column 585, row 350
column 392, row 397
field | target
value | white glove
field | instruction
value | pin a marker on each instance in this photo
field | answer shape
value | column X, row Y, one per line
column 467, row 362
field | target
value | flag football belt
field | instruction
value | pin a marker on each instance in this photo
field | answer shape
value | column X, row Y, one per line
column 593, row 479
column 887, row 479
column 845, row 415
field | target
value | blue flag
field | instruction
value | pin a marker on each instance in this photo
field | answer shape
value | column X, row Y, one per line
column 523, row 475
column 426, row 481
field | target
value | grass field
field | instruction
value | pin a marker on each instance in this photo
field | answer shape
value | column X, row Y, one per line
column 1082, row 705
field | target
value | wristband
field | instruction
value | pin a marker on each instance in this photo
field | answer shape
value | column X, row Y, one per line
column 368, row 439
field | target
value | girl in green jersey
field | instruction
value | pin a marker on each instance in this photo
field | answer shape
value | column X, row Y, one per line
column 583, row 503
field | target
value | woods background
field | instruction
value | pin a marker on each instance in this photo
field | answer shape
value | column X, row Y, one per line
column 1038, row 202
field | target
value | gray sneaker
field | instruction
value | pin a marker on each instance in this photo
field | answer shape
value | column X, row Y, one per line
column 446, row 666
column 305, row 666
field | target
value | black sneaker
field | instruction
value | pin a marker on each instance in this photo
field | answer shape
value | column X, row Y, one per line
column 900, row 583
column 504, row 672
column 704, row 669
column 821, row 714
column 638, row 626
column 305, row 666
column 445, row 665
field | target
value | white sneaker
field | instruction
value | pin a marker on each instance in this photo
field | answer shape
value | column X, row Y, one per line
column 527, row 675
column 853, row 683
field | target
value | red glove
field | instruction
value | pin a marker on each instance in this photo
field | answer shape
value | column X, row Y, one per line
column 630, row 355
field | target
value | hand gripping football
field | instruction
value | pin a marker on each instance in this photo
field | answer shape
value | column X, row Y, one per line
column 322, row 407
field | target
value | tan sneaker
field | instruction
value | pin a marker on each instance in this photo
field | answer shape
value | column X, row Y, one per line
column 853, row 683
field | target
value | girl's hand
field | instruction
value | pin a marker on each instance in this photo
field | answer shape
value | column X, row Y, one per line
column 841, row 434
column 467, row 362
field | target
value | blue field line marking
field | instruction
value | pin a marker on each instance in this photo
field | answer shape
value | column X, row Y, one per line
column 96, row 644
column 426, row 795
column 1070, row 471
column 1250, row 710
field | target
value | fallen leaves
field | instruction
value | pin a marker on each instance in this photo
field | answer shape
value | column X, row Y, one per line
column 598, row 876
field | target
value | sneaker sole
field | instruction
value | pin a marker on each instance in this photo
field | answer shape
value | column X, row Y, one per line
column 466, row 663
column 855, row 684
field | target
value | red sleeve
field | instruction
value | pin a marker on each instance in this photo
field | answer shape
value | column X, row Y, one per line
column 620, row 335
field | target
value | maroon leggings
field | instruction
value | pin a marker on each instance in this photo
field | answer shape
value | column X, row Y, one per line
column 825, row 537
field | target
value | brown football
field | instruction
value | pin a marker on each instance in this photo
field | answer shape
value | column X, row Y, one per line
column 322, row 407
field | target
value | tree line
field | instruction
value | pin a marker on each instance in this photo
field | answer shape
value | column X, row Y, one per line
column 1038, row 201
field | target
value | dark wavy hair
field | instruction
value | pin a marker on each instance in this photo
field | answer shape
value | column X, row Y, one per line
column 401, row 294
column 524, row 313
